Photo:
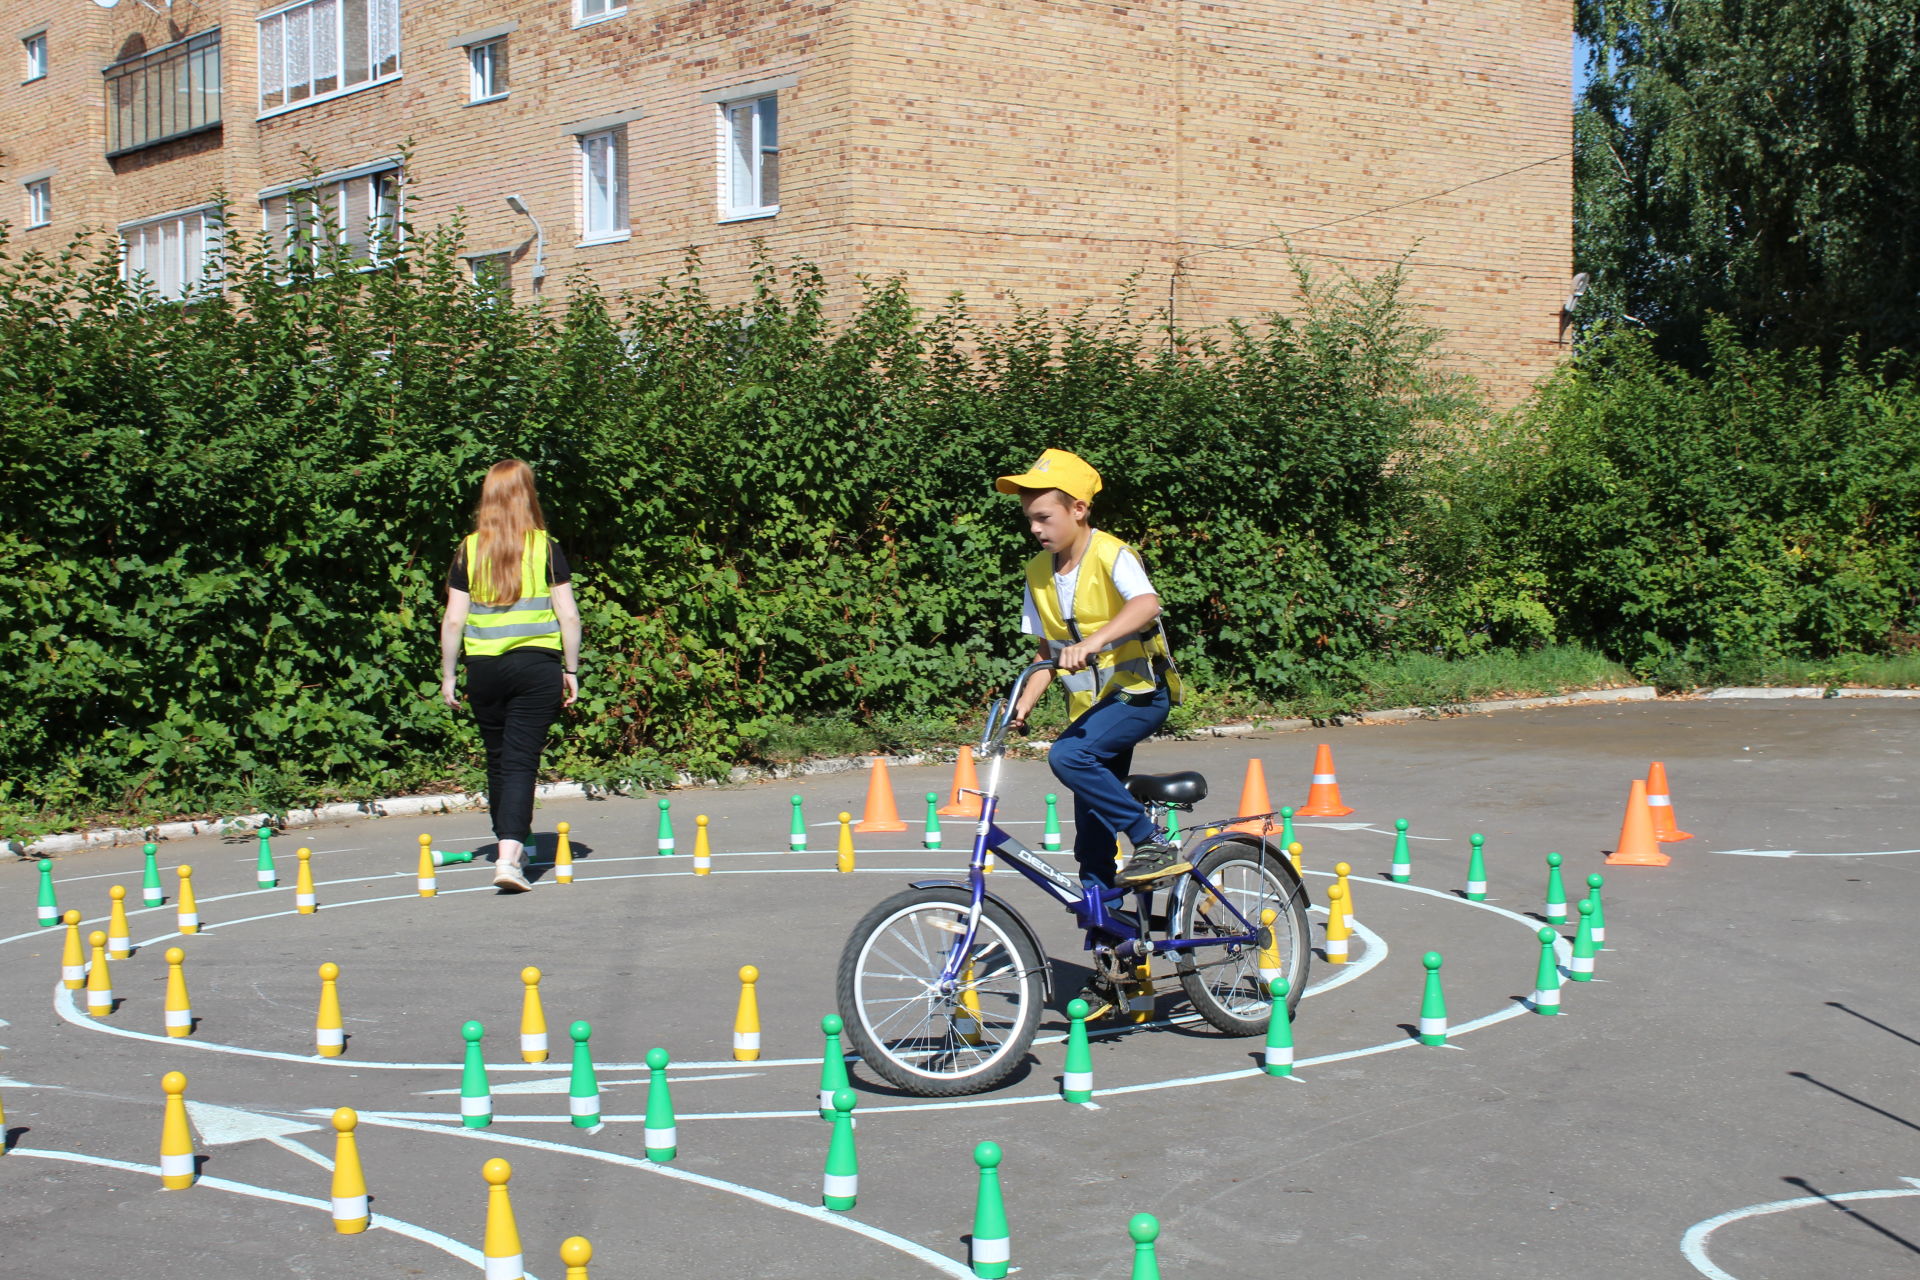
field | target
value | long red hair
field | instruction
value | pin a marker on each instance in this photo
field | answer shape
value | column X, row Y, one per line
column 509, row 510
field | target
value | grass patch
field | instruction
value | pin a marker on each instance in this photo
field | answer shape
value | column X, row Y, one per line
column 1846, row 670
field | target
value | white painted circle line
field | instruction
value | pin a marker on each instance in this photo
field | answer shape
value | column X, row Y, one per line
column 914, row 1250
column 381, row 1222
column 63, row 1004
column 1693, row 1245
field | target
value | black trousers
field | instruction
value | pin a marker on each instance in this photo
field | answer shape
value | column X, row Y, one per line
column 516, row 698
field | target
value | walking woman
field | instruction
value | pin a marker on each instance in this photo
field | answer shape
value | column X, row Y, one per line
column 510, row 611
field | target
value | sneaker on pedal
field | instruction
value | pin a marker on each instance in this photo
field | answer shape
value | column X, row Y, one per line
column 1152, row 861
column 1100, row 1001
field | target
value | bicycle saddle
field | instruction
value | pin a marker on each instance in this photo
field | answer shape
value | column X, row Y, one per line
column 1167, row 788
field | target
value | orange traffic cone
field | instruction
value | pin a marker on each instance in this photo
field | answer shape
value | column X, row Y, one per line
column 964, row 780
column 1254, row 800
column 881, row 814
column 1665, row 829
column 1638, row 847
column 1323, row 797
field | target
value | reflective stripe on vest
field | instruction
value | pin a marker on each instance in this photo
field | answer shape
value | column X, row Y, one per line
column 493, row 629
column 1137, row 664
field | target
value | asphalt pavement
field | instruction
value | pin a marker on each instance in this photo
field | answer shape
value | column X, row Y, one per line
column 1725, row 1099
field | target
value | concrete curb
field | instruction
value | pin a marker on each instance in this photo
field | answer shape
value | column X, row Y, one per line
column 453, row 802
column 1807, row 691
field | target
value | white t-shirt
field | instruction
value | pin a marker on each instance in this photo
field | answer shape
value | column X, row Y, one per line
column 1129, row 578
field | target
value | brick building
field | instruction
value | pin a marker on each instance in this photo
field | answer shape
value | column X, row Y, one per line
column 1045, row 150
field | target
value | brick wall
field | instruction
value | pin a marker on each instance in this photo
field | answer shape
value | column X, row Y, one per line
column 1011, row 149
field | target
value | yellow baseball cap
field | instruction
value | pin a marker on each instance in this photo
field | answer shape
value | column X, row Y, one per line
column 1055, row 469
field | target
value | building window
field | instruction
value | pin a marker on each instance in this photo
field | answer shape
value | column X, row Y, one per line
column 165, row 93
column 360, row 212
column 36, row 46
column 176, row 256
column 319, row 48
column 492, row 273
column 40, row 202
column 487, row 70
column 603, row 185
column 586, row 11
column 750, row 158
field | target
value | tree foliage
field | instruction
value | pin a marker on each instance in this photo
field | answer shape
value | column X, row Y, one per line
column 1756, row 159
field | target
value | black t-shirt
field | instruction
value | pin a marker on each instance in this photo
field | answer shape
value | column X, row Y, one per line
column 557, row 569
column 557, row 572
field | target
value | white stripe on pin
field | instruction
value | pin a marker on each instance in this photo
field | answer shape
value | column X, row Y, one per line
column 841, row 1184
column 188, row 920
column 1325, row 777
column 1077, row 1080
column 324, row 1035
column 73, row 972
column 1000, row 1250
column 1476, row 886
column 746, row 1040
column 1280, row 1055
column 180, row 1017
column 584, row 1106
column 1433, row 1026
column 174, row 1166
column 1581, row 964
column 659, row 1139
column 1666, row 800
column 506, row 1268
column 349, row 1208
column 480, row 1106
column 533, row 1042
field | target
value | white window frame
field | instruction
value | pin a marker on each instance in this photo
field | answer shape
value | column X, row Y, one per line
column 331, row 205
column 607, row 10
column 314, row 26
column 39, row 202
column 617, row 226
column 35, row 47
column 190, row 258
column 481, row 265
column 754, row 112
column 486, row 85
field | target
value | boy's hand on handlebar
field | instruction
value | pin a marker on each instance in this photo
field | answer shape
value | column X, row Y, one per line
column 1074, row 656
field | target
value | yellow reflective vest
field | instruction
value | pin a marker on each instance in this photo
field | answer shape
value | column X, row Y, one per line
column 1138, row 664
column 530, row 621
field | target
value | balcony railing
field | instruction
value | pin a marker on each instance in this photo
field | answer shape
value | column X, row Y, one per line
column 163, row 94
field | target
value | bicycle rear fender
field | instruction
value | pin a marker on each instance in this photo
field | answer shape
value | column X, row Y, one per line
column 1046, row 967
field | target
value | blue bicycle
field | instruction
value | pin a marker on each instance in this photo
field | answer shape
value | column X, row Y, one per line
column 941, row 986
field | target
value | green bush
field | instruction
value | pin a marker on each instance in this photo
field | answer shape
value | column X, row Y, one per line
column 1695, row 525
column 227, row 522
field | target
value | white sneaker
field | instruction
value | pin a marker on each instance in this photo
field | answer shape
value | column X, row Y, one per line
column 508, row 876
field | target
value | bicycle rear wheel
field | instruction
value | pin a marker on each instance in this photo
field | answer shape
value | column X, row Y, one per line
column 914, row 1036
column 1224, row 982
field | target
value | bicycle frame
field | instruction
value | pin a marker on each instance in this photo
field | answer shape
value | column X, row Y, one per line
column 1090, row 908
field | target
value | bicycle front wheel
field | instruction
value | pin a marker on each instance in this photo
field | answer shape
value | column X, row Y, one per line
column 930, row 1042
column 1224, row 982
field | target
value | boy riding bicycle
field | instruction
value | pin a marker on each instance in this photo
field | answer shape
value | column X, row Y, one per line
column 1098, row 618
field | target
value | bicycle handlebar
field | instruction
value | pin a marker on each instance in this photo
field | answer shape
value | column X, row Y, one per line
column 1000, row 715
